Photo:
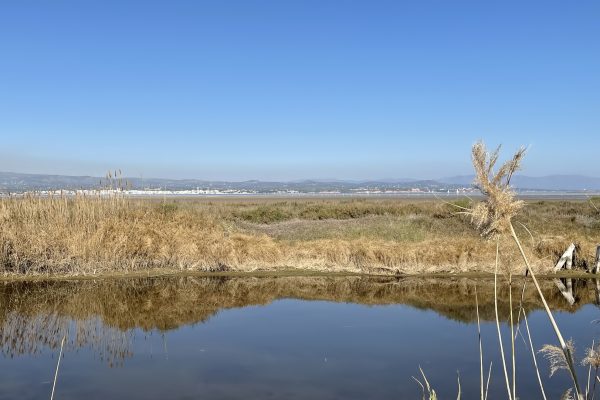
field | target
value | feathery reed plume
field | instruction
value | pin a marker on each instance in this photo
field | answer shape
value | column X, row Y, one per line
column 493, row 216
column 592, row 359
column 556, row 357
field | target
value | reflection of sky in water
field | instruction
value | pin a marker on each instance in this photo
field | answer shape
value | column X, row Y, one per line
column 294, row 349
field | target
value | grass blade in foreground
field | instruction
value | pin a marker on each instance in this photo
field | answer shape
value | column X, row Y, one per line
column 498, row 324
column 62, row 344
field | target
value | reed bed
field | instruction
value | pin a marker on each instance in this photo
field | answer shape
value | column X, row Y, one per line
column 87, row 235
column 90, row 235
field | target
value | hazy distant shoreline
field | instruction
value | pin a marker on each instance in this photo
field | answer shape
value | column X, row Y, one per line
column 526, row 195
column 19, row 182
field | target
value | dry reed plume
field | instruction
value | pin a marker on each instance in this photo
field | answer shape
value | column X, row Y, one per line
column 556, row 357
column 494, row 215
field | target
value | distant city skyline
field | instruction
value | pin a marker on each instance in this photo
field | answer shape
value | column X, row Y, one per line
column 273, row 90
column 465, row 179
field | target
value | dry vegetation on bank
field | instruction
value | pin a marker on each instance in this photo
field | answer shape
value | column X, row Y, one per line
column 90, row 235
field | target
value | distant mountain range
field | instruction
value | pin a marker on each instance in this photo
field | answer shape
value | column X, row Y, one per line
column 18, row 182
column 550, row 182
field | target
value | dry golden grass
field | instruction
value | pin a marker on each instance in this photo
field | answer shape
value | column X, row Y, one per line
column 92, row 235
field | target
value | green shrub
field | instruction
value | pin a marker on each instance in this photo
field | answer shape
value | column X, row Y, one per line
column 167, row 208
column 264, row 214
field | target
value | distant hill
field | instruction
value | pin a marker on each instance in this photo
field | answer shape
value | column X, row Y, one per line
column 18, row 182
column 550, row 182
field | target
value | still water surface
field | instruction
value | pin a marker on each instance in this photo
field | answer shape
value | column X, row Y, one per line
column 281, row 338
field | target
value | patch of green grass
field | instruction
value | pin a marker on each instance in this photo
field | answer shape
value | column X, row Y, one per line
column 263, row 214
column 461, row 203
column 270, row 212
column 167, row 208
column 374, row 227
column 341, row 211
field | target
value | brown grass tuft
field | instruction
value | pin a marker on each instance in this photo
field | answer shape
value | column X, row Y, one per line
column 592, row 357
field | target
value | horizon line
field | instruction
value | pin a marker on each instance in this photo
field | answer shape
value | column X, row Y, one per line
column 314, row 179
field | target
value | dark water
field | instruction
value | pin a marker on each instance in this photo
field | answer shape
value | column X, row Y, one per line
column 280, row 338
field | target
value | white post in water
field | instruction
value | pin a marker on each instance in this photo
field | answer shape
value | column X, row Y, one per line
column 566, row 291
column 597, row 269
column 566, row 258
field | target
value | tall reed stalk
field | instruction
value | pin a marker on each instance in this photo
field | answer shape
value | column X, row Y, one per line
column 480, row 346
column 561, row 340
column 508, row 386
column 532, row 349
column 493, row 217
column 512, row 338
column 62, row 344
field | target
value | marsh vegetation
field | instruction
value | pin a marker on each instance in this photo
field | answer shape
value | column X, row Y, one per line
column 89, row 235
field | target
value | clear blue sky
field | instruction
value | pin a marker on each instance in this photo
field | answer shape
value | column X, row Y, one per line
column 297, row 89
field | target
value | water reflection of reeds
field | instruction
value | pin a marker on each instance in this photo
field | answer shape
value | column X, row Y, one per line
column 23, row 334
column 102, row 314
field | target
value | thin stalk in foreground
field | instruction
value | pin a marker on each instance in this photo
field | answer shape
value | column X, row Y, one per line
column 594, row 386
column 480, row 346
column 517, row 331
column 537, row 370
column 587, row 386
column 498, row 322
column 561, row 340
column 487, row 386
column 512, row 338
column 62, row 344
